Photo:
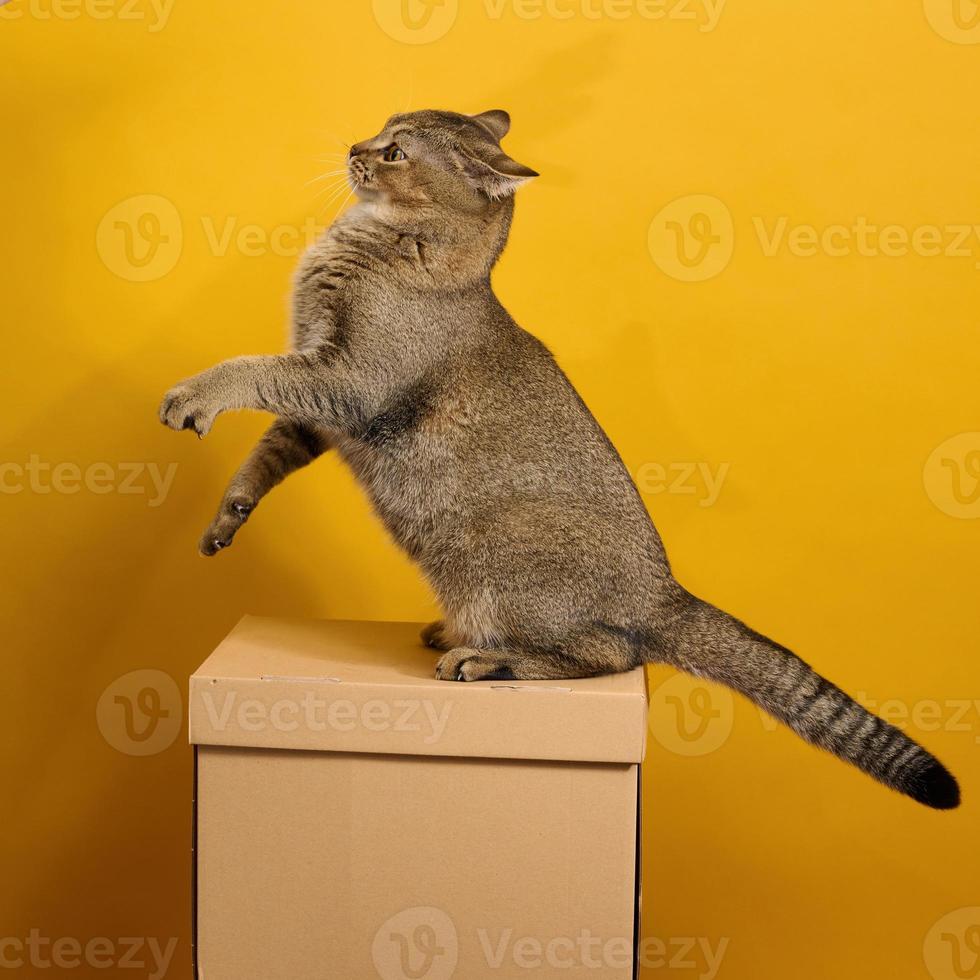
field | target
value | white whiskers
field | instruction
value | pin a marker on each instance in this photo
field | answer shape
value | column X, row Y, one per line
column 325, row 175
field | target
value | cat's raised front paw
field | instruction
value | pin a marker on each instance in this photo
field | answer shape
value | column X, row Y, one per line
column 187, row 406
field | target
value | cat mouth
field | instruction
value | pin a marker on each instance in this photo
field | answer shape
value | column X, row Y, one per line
column 357, row 174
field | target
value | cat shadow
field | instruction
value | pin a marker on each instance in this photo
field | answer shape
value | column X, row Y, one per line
column 572, row 71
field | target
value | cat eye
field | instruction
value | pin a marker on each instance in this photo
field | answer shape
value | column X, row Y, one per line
column 394, row 153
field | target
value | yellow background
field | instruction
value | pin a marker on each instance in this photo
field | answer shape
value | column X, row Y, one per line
column 821, row 384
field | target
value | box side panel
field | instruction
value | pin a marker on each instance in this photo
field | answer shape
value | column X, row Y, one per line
column 194, row 965
column 322, row 865
column 638, row 875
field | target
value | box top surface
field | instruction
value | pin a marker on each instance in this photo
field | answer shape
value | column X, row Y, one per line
column 369, row 687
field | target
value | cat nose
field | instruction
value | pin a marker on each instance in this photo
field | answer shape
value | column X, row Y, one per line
column 354, row 150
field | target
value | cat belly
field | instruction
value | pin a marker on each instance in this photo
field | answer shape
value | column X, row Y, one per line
column 408, row 502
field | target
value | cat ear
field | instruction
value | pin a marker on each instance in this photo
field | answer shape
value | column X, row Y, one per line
column 496, row 120
column 493, row 172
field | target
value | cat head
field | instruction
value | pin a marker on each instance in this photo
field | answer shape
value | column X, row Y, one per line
column 433, row 159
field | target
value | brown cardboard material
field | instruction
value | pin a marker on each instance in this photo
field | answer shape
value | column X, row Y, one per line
column 356, row 818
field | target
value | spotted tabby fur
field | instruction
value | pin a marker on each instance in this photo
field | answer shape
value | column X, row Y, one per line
column 481, row 458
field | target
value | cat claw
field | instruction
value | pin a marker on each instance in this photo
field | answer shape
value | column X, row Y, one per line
column 461, row 664
column 434, row 636
column 222, row 530
column 184, row 408
column 211, row 545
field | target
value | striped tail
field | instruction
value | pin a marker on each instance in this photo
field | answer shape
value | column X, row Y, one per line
column 709, row 643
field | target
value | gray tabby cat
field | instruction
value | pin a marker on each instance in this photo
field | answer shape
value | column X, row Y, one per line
column 481, row 458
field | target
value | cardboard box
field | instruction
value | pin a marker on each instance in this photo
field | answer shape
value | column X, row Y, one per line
column 358, row 819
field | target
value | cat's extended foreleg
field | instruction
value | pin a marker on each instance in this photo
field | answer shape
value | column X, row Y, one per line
column 304, row 387
column 286, row 446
